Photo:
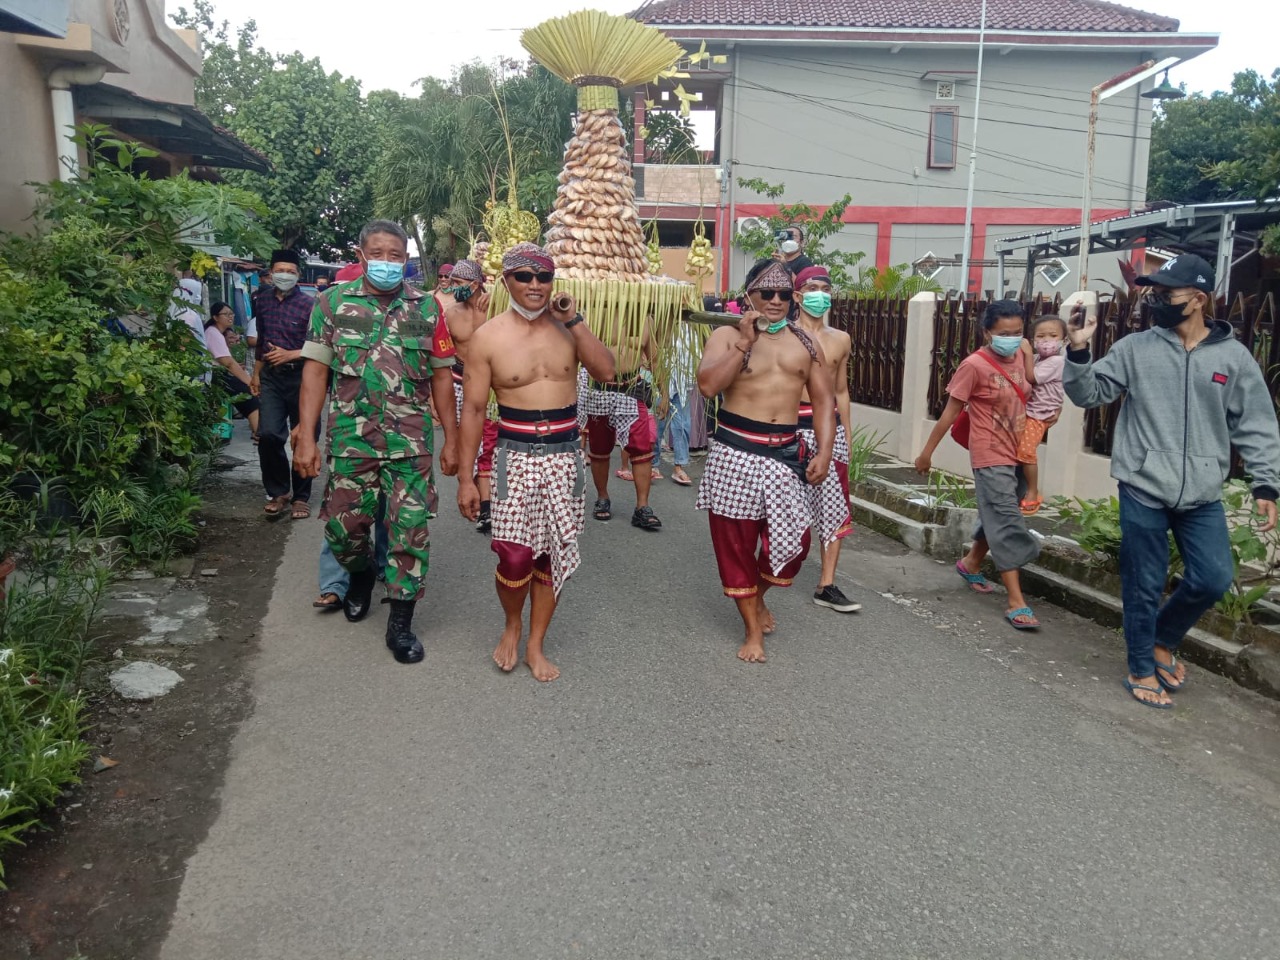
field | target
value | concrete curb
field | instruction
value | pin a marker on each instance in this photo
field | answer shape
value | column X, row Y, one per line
column 943, row 533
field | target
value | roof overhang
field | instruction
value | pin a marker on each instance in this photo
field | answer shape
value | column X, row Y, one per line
column 173, row 127
column 45, row 18
column 1182, row 45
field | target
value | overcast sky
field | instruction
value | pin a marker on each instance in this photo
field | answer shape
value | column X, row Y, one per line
column 392, row 44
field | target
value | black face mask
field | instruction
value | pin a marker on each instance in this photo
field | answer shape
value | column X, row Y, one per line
column 463, row 294
column 1167, row 315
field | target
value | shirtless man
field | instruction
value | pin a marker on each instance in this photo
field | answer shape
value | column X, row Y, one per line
column 754, row 484
column 609, row 410
column 830, row 498
column 468, row 307
column 529, row 356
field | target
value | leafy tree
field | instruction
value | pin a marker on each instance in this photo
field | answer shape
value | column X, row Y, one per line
column 669, row 138
column 1256, row 172
column 315, row 127
column 1188, row 138
column 463, row 143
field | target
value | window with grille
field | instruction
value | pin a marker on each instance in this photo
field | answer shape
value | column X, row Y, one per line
column 943, row 124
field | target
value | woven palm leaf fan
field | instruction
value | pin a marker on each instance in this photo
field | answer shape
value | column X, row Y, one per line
column 594, row 230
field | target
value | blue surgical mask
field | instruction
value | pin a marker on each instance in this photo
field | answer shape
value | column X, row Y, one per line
column 384, row 274
column 816, row 303
column 1006, row 346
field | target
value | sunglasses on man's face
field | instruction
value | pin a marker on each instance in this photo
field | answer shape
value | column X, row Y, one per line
column 526, row 276
column 767, row 295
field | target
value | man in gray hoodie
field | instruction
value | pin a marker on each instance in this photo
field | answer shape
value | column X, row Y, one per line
column 1191, row 391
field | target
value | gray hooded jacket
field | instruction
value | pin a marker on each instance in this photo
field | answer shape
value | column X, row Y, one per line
column 1182, row 411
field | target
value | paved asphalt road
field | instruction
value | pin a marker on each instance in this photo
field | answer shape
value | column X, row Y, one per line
column 915, row 781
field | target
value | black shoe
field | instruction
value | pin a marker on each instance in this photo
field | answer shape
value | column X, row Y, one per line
column 484, row 522
column 645, row 520
column 359, row 595
column 400, row 638
column 830, row 596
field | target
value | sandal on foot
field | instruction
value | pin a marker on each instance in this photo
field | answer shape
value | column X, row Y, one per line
column 275, row 507
column 656, row 475
column 626, row 475
column 1030, row 508
column 1133, row 689
column 301, row 510
column 603, row 510
column 645, row 520
column 328, row 602
column 681, row 478
column 1028, row 619
column 1172, row 685
column 976, row 581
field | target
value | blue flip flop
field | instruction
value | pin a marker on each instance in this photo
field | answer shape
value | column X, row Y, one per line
column 1134, row 687
column 1012, row 617
column 976, row 581
column 1172, row 670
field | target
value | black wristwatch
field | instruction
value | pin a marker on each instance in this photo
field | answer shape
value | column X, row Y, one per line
column 577, row 319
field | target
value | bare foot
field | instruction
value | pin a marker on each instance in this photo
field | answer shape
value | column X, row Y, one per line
column 768, row 622
column 541, row 668
column 507, row 654
column 752, row 651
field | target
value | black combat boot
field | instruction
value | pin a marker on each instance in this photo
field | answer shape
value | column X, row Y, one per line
column 359, row 595
column 400, row 638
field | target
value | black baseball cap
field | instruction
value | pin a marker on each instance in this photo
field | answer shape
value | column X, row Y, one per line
column 1184, row 270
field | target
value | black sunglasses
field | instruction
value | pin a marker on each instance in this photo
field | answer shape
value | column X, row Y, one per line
column 767, row 295
column 526, row 276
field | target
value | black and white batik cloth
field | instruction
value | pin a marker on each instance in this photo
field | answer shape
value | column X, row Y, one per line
column 621, row 410
column 750, row 486
column 829, row 500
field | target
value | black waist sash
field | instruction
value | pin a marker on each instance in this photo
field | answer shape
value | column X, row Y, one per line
column 777, row 441
column 538, row 426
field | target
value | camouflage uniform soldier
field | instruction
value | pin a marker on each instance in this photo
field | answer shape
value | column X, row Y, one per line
column 385, row 347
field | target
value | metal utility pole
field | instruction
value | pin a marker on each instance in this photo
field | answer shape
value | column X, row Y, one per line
column 973, row 158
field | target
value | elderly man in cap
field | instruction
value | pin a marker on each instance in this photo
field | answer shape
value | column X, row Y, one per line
column 384, row 348
column 830, row 498
column 1191, row 392
column 529, row 356
column 755, row 484
column 283, row 317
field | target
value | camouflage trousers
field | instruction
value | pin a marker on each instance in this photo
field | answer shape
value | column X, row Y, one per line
column 351, row 504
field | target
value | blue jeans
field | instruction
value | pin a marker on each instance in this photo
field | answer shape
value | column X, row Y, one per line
column 335, row 580
column 1202, row 538
column 678, row 419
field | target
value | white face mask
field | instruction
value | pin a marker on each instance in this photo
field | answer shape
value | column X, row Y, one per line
column 788, row 246
column 284, row 281
column 530, row 315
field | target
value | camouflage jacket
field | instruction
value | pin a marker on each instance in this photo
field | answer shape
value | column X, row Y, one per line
column 382, row 363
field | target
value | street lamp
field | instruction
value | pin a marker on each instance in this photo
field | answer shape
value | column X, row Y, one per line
column 1108, row 88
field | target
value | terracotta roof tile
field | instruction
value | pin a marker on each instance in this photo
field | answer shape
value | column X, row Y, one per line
column 1087, row 16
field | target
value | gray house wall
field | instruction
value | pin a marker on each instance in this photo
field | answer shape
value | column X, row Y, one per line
column 837, row 119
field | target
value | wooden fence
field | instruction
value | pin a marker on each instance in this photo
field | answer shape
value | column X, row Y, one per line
column 878, row 329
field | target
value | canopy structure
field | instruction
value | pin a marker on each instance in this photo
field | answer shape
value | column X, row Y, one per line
column 176, row 128
column 1225, row 234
